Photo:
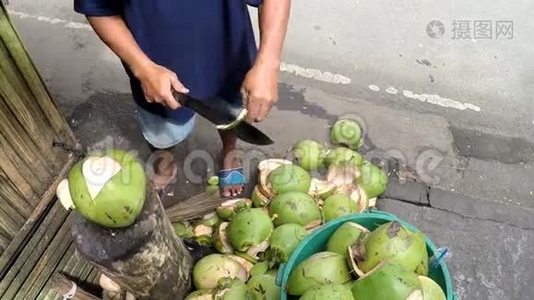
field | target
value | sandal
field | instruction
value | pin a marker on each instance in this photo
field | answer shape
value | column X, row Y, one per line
column 229, row 177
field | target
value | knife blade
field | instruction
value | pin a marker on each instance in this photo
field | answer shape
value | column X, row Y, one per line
column 221, row 113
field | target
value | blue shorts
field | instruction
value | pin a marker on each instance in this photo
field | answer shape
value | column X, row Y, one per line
column 161, row 132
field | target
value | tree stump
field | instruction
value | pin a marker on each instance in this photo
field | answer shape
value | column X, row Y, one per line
column 147, row 258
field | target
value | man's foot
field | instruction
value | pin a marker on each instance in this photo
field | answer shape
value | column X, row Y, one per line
column 231, row 178
column 162, row 170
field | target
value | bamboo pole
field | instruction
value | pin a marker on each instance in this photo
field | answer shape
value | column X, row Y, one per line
column 20, row 140
column 25, row 65
column 27, row 111
column 10, row 196
column 15, row 174
column 28, row 230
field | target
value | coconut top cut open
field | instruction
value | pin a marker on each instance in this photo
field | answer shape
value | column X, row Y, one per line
column 97, row 171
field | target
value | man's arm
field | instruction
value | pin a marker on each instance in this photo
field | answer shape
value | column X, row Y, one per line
column 261, row 83
column 157, row 82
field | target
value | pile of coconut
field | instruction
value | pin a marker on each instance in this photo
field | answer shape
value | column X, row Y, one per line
column 253, row 236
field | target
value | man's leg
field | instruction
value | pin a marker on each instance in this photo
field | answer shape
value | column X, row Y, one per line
column 230, row 161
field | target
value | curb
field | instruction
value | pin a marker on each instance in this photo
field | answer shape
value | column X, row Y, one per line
column 420, row 194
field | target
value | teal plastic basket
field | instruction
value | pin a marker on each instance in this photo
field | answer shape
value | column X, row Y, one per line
column 316, row 242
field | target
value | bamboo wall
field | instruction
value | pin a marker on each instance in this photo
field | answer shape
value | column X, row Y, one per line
column 29, row 164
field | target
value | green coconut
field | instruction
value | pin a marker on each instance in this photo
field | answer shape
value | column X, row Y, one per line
column 289, row 178
column 328, row 292
column 108, row 188
column 200, row 295
column 346, row 133
column 319, row 269
column 248, row 228
column 338, row 205
column 232, row 289
column 213, row 181
column 431, row 290
column 373, row 180
column 183, row 230
column 210, row 269
column 264, row 286
column 346, row 235
column 395, row 243
column 309, row 154
column 297, row 208
column 258, row 199
column 340, row 155
column 388, row 282
column 284, row 240
column 229, row 207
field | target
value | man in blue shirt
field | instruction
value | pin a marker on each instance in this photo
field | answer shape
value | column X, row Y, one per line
column 202, row 47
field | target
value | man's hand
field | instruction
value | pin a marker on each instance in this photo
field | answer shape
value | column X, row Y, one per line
column 260, row 89
column 158, row 83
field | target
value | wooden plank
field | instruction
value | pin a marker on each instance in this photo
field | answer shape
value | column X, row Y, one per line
column 11, row 173
column 25, row 233
column 67, row 261
column 63, row 285
column 28, row 113
column 47, row 264
column 32, row 252
column 35, row 83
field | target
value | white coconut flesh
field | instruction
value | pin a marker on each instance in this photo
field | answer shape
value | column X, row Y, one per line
column 202, row 229
column 247, row 265
column 97, row 171
column 257, row 249
column 63, row 194
column 271, row 164
column 223, row 238
column 416, row 295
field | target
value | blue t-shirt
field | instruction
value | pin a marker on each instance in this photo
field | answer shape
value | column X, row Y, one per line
column 208, row 43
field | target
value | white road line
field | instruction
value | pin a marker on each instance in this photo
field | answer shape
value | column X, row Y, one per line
column 374, row 88
column 50, row 20
column 438, row 100
column 310, row 73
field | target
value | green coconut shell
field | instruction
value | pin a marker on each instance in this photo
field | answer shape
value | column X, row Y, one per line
column 328, row 292
column 289, row 178
column 397, row 244
column 346, row 133
column 248, row 228
column 338, row 205
column 120, row 201
column 285, row 239
column 309, row 154
column 259, row 268
column 347, row 234
column 258, row 199
column 295, row 207
column 200, row 295
column 319, row 269
column 210, row 269
column 388, row 282
column 233, row 289
column 431, row 290
column 373, row 180
column 264, row 286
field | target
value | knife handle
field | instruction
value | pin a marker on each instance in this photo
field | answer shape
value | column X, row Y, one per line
column 180, row 97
